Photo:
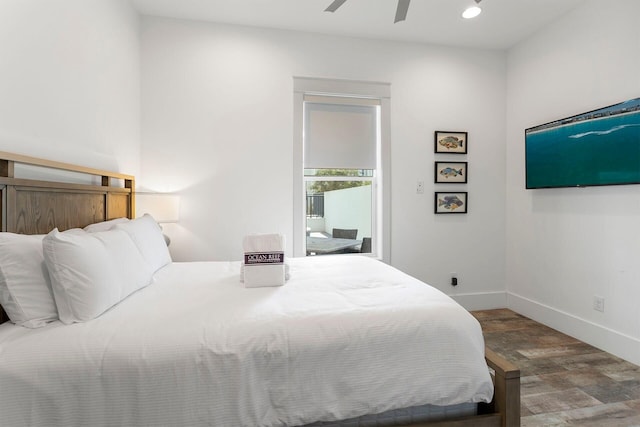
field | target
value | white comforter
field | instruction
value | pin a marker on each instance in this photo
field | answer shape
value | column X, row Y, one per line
column 345, row 336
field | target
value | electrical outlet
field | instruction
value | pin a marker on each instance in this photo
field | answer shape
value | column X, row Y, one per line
column 420, row 187
column 454, row 279
column 598, row 303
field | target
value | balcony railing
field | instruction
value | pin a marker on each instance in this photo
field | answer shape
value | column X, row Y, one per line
column 315, row 205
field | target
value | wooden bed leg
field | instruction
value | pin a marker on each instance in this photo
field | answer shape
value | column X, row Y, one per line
column 506, row 400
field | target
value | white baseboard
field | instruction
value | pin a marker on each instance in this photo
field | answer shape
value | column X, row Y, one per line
column 606, row 339
column 481, row 301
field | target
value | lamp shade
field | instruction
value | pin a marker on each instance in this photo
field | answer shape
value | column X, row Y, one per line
column 163, row 207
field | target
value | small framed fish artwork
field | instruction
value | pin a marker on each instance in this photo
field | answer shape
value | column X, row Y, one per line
column 451, row 173
column 451, row 202
column 451, row 142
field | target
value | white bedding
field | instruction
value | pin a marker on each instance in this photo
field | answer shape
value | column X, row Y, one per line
column 345, row 336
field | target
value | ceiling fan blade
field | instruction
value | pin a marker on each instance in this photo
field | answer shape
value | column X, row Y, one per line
column 401, row 11
column 335, row 5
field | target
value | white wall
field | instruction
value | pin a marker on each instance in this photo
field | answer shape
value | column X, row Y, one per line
column 349, row 208
column 217, row 127
column 566, row 245
column 315, row 224
column 70, row 86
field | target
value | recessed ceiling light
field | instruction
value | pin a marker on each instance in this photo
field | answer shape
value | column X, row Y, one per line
column 472, row 11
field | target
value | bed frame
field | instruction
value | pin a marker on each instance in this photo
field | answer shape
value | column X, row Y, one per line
column 36, row 207
column 30, row 206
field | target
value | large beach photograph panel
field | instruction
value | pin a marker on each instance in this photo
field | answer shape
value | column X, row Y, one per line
column 601, row 147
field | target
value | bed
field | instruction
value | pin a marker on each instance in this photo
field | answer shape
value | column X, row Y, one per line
column 346, row 340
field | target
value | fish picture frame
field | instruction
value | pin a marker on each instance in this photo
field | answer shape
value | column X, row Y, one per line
column 451, row 172
column 451, row 142
column 447, row 202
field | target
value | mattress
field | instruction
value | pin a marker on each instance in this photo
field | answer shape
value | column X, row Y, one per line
column 344, row 337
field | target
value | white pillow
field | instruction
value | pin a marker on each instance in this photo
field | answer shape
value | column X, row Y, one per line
column 92, row 272
column 147, row 235
column 104, row 225
column 25, row 288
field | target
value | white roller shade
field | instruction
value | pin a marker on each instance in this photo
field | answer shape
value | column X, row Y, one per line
column 340, row 135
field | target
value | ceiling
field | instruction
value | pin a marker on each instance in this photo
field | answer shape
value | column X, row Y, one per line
column 502, row 23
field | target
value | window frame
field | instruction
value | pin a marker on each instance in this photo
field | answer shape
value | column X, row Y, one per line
column 382, row 184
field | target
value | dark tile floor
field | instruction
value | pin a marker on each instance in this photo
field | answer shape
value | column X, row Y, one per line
column 564, row 382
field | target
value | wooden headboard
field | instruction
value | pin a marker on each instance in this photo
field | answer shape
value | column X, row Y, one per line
column 29, row 206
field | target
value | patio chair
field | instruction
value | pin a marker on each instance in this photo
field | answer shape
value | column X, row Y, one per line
column 344, row 233
column 365, row 248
